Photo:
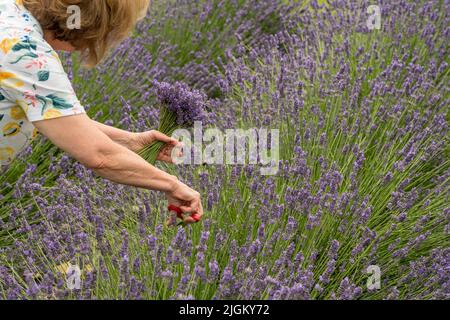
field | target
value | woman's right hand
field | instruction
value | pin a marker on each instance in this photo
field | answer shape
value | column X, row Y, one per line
column 187, row 199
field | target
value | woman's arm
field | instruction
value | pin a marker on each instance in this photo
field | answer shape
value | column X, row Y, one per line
column 82, row 139
column 137, row 141
column 119, row 136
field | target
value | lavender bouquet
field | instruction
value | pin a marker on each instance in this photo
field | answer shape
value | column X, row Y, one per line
column 180, row 108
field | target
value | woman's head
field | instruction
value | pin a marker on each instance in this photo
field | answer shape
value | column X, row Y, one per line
column 104, row 23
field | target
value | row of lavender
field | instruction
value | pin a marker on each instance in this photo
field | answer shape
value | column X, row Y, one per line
column 363, row 180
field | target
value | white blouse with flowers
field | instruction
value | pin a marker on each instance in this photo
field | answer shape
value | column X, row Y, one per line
column 33, row 83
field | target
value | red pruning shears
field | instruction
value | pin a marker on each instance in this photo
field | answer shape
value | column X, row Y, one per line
column 179, row 212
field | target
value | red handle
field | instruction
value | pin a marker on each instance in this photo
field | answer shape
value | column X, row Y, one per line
column 179, row 213
column 196, row 217
column 177, row 210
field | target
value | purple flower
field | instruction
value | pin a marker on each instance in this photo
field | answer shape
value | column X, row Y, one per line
column 188, row 105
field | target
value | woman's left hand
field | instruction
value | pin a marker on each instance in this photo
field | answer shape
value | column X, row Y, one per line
column 143, row 139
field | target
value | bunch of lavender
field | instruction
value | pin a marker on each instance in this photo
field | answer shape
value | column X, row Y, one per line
column 180, row 107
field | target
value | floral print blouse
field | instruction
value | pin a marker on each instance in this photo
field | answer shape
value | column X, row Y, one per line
column 33, row 83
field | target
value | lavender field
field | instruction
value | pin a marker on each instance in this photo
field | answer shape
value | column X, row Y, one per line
column 362, row 181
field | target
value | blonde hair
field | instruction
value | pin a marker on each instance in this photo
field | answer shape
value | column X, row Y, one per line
column 104, row 23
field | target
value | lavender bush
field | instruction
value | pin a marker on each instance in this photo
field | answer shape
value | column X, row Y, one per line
column 363, row 180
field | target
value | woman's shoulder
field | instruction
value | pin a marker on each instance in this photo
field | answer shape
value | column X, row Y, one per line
column 17, row 22
column 19, row 30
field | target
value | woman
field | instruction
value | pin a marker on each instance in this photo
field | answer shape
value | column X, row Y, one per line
column 36, row 94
